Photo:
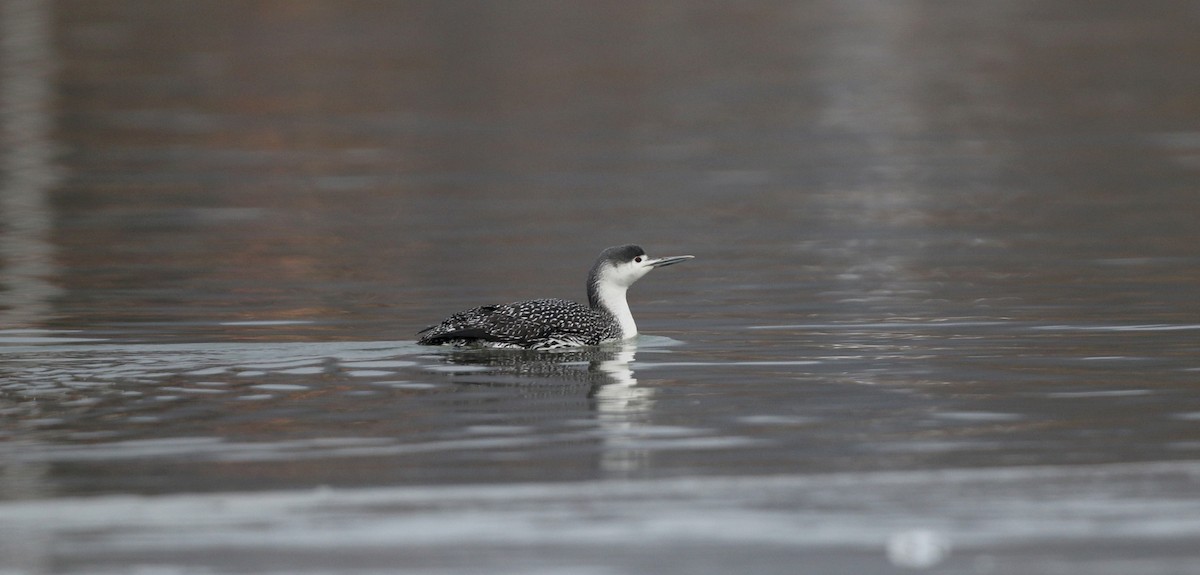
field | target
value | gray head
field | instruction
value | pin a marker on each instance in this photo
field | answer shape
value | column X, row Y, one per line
column 618, row 267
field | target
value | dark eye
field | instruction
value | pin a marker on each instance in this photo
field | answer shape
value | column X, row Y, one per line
column 638, row 259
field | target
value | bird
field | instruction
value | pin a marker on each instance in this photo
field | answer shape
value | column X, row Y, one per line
column 543, row 324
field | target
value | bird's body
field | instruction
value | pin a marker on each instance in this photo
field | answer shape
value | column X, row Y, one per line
column 556, row 323
column 539, row 323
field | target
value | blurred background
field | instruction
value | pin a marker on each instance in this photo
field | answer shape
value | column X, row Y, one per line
column 187, row 162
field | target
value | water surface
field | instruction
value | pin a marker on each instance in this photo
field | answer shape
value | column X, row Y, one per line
column 942, row 314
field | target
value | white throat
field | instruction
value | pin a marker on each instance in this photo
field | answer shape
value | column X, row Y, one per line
column 612, row 297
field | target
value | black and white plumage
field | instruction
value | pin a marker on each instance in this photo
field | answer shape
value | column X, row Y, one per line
column 557, row 323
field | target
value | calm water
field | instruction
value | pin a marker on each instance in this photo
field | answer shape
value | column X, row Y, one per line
column 943, row 313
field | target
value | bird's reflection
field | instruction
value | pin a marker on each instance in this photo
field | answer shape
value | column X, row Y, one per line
column 622, row 408
column 604, row 375
column 597, row 367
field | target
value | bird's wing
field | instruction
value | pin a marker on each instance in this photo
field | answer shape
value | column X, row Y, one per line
column 517, row 323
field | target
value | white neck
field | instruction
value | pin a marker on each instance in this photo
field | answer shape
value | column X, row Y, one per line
column 612, row 297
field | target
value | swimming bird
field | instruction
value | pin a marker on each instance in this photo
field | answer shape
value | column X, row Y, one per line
column 557, row 323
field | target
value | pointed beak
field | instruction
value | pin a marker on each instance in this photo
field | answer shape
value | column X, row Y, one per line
column 669, row 261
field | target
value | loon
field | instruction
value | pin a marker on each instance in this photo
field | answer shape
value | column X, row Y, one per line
column 557, row 323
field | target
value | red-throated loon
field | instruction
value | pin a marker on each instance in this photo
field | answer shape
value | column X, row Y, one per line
column 557, row 323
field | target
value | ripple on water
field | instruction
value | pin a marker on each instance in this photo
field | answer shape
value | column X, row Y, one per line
column 302, row 371
column 282, row 365
column 280, row 387
column 912, row 519
column 406, row 384
column 978, row 416
column 1120, row 328
column 208, row 371
column 256, row 397
column 497, row 429
column 378, row 364
column 1098, row 393
column 776, row 420
column 194, row 390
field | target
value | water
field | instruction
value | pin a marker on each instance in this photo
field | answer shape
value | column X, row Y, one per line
column 942, row 317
